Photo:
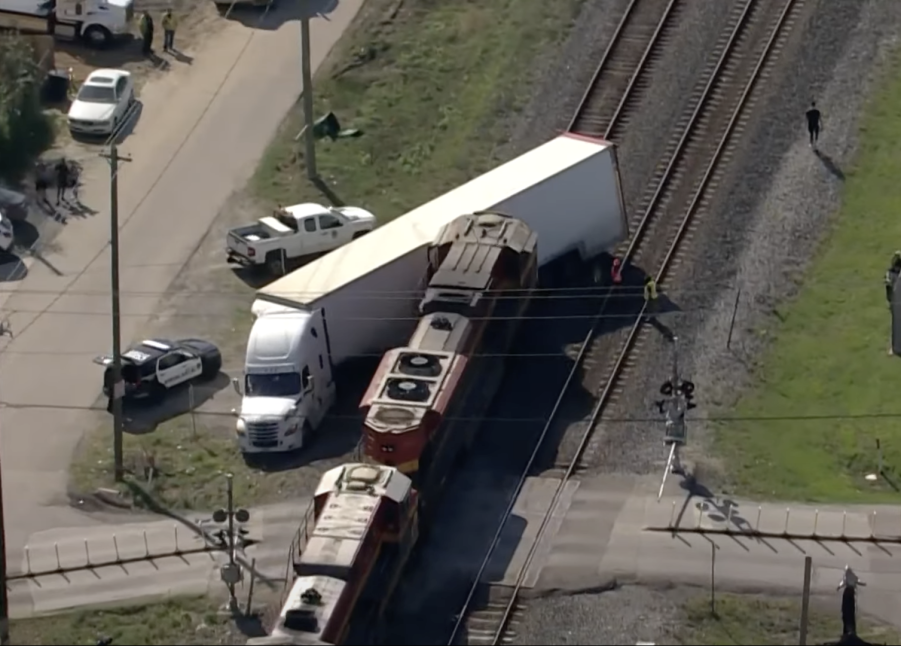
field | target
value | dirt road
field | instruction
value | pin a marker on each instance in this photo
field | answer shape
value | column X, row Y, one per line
column 202, row 129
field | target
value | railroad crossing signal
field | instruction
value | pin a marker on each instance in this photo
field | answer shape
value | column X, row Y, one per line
column 678, row 398
column 231, row 572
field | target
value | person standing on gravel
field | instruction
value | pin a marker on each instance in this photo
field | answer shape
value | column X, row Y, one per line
column 650, row 297
column 814, row 124
column 169, row 25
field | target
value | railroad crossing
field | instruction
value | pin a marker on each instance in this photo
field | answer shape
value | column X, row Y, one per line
column 604, row 529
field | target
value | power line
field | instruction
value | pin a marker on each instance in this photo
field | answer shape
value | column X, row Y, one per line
column 571, row 317
column 164, row 170
column 542, row 294
column 535, row 420
column 624, row 291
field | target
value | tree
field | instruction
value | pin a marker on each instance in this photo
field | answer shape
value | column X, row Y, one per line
column 24, row 128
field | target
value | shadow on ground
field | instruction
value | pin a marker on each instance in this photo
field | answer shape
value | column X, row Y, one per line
column 12, row 268
column 141, row 419
column 277, row 13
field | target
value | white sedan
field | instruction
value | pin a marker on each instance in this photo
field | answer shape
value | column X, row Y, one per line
column 103, row 103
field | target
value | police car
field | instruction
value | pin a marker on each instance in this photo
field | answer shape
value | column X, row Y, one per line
column 155, row 366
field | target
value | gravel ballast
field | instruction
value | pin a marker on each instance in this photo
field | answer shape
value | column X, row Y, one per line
column 765, row 221
column 761, row 228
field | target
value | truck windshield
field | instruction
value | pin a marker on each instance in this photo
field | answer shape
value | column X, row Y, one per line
column 283, row 384
column 96, row 94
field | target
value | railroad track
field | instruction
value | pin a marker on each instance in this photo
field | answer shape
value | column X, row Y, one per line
column 683, row 180
column 623, row 74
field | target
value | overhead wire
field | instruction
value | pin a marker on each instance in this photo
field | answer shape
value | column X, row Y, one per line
column 212, row 98
column 718, row 419
column 538, row 293
column 524, row 317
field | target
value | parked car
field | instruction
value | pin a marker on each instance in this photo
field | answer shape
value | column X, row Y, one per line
column 154, row 366
column 13, row 205
column 296, row 231
column 103, row 102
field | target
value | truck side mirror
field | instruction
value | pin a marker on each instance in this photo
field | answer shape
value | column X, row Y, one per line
column 236, row 384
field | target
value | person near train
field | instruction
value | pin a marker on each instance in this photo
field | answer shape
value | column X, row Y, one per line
column 814, row 124
column 650, row 297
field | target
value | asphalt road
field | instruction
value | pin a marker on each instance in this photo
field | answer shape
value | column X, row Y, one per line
column 202, row 129
column 600, row 533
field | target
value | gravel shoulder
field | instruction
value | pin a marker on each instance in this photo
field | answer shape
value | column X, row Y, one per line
column 681, row 615
column 764, row 224
column 771, row 209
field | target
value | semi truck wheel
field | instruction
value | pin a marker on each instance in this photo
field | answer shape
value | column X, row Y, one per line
column 97, row 37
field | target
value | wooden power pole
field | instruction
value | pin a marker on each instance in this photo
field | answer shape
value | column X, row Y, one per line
column 307, row 77
column 117, row 390
column 4, row 596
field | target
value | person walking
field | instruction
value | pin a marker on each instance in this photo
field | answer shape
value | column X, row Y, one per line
column 145, row 27
column 62, row 179
column 650, row 297
column 814, row 124
column 170, row 22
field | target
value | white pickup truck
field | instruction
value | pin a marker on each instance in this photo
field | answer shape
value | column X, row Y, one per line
column 296, row 232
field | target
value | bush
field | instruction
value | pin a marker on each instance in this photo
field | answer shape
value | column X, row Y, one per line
column 25, row 131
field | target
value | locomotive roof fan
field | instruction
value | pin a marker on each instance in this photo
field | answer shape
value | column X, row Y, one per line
column 409, row 390
column 419, row 365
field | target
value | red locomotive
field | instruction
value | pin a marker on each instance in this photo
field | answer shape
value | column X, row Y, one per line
column 421, row 402
column 349, row 553
column 365, row 519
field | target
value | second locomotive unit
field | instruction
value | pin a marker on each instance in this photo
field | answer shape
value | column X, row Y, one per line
column 422, row 406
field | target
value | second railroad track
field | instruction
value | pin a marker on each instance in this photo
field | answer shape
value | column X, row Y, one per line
column 683, row 180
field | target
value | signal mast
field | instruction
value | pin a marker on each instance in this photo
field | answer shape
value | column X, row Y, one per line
column 678, row 398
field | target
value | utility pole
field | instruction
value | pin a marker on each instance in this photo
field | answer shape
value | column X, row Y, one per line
column 805, row 601
column 117, row 390
column 307, row 74
column 4, row 599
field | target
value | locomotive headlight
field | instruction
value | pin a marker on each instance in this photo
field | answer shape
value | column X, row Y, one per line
column 240, row 427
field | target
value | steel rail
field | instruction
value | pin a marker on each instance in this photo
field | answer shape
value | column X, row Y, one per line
column 633, row 247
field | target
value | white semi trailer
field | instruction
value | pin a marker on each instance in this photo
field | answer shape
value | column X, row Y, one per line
column 361, row 299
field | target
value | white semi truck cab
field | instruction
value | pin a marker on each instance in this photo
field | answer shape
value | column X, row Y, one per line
column 288, row 386
column 98, row 22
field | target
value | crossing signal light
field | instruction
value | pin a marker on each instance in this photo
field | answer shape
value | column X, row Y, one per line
column 685, row 388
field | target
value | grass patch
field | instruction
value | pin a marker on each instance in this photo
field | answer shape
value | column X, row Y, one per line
column 829, row 356
column 758, row 620
column 432, row 89
column 189, row 456
column 175, row 621
column 189, row 468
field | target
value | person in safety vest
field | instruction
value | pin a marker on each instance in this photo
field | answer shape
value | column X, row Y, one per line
column 650, row 297
column 170, row 22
